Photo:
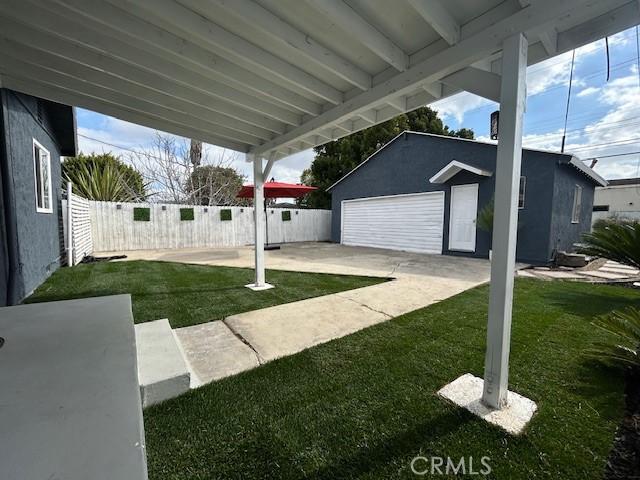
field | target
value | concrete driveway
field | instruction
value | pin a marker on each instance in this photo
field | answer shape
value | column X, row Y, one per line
column 218, row 349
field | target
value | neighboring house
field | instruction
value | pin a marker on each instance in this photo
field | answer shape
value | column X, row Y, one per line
column 422, row 193
column 34, row 134
column 619, row 199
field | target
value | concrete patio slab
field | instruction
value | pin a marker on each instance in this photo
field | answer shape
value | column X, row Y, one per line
column 162, row 371
column 214, row 352
column 466, row 392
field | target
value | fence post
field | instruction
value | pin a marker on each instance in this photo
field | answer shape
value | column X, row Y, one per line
column 69, row 224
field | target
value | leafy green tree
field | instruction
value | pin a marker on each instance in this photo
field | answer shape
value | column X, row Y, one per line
column 335, row 159
column 103, row 177
column 214, row 185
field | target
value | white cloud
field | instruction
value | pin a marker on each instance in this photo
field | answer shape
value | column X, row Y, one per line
column 588, row 91
column 458, row 105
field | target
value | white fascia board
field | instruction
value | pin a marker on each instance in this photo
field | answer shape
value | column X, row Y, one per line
column 579, row 165
column 453, row 168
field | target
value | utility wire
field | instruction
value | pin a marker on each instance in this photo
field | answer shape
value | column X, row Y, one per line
column 566, row 113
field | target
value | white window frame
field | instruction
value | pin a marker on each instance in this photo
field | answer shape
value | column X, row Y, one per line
column 577, row 204
column 40, row 187
column 523, row 184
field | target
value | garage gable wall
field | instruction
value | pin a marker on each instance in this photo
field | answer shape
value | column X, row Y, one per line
column 406, row 165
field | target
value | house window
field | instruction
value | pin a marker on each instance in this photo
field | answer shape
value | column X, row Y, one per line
column 577, row 204
column 523, row 184
column 42, row 171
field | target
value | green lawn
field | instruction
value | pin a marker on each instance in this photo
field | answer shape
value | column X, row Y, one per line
column 188, row 294
column 363, row 406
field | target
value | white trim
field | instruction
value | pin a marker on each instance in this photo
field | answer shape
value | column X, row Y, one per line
column 36, row 162
column 475, row 235
column 579, row 165
column 453, row 168
column 576, row 210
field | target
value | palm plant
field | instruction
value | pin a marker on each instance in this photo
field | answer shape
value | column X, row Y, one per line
column 618, row 241
column 625, row 326
column 102, row 184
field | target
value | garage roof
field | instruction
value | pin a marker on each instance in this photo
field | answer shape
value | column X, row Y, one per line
column 272, row 77
column 455, row 166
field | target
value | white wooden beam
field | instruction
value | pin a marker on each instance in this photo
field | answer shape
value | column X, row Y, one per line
column 399, row 103
column 350, row 21
column 189, row 55
column 104, row 79
column 290, row 37
column 368, row 116
column 71, row 97
column 436, row 15
column 549, row 40
column 122, row 55
column 22, row 69
column 505, row 224
column 186, row 23
column 471, row 48
column 269, row 166
column 433, row 89
column 474, row 80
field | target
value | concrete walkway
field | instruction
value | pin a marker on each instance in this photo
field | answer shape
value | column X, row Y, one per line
column 218, row 349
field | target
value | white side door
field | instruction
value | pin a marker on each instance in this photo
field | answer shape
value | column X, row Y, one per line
column 462, row 218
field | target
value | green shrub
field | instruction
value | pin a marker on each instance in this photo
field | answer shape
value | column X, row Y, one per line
column 225, row 215
column 625, row 326
column 286, row 216
column 615, row 240
column 186, row 214
column 141, row 214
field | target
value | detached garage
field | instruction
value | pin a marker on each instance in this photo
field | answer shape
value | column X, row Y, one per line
column 422, row 193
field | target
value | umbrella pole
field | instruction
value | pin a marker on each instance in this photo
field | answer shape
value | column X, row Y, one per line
column 266, row 222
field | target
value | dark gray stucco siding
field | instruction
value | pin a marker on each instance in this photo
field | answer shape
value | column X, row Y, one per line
column 38, row 245
column 565, row 234
column 406, row 165
column 4, row 253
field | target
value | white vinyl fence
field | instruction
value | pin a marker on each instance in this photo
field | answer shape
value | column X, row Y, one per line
column 114, row 227
column 80, row 233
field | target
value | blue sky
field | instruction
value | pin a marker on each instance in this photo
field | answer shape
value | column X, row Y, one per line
column 604, row 117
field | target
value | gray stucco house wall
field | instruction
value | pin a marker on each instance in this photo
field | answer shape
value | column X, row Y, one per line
column 406, row 164
column 31, row 239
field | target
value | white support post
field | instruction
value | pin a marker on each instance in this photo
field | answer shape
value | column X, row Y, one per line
column 70, row 224
column 259, row 224
column 512, row 106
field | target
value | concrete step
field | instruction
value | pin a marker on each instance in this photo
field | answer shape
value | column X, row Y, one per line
column 162, row 369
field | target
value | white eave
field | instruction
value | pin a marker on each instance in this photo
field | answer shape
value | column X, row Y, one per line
column 580, row 166
column 274, row 78
column 453, row 168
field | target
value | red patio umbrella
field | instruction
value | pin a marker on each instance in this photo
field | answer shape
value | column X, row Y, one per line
column 273, row 189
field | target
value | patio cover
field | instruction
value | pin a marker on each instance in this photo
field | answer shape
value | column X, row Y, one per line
column 272, row 77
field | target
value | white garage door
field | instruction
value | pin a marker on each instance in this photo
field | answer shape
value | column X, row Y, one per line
column 412, row 222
